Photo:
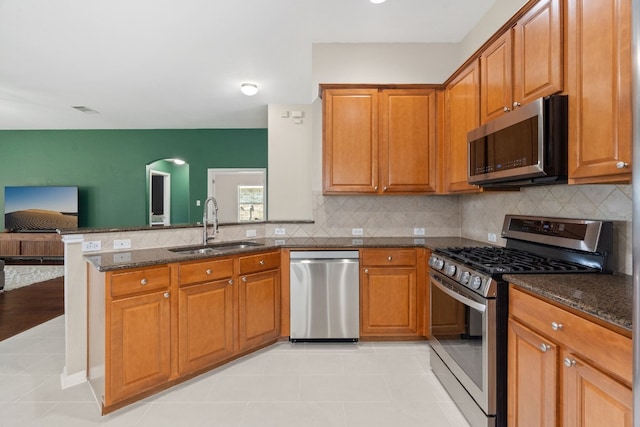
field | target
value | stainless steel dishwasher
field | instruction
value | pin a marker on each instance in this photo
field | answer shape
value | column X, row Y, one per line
column 325, row 295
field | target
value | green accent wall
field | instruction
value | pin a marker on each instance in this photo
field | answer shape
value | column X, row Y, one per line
column 109, row 166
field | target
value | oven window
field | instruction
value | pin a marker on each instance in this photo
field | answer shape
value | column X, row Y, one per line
column 459, row 330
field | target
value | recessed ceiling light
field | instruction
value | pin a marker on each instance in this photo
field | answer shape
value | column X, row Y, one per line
column 377, row 1
column 178, row 162
column 249, row 89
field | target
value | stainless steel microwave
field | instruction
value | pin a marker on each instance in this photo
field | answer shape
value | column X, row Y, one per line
column 527, row 146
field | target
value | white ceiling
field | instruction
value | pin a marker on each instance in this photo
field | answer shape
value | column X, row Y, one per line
column 179, row 63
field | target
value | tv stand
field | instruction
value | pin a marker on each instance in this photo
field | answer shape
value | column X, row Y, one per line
column 31, row 245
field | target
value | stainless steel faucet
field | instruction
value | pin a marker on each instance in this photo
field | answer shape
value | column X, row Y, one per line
column 205, row 220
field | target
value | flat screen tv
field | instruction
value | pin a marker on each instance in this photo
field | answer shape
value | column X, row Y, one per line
column 40, row 209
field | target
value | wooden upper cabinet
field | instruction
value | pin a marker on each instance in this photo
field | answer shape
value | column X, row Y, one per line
column 524, row 63
column 537, row 53
column 379, row 140
column 408, row 140
column 461, row 114
column 495, row 72
column 350, row 140
column 599, row 88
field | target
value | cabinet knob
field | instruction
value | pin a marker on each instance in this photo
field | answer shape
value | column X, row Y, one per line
column 366, row 271
column 516, row 104
column 569, row 363
column 231, row 281
column 375, row 188
column 622, row 165
column 384, row 188
column 143, row 282
column 244, row 279
column 261, row 262
column 166, row 295
column 544, row 347
column 556, row 326
column 208, row 271
column 507, row 109
column 389, row 258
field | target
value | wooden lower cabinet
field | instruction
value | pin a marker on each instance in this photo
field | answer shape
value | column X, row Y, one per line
column 205, row 325
column 140, row 342
column 389, row 293
column 258, row 300
column 31, row 245
column 565, row 369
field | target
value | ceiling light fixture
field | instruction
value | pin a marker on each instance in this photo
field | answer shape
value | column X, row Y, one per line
column 178, row 162
column 249, row 89
column 377, row 1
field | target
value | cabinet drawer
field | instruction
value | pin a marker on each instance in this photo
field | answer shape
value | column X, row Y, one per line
column 141, row 280
column 606, row 348
column 259, row 262
column 385, row 257
column 205, row 271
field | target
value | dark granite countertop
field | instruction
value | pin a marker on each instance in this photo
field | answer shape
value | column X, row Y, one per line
column 109, row 261
column 608, row 297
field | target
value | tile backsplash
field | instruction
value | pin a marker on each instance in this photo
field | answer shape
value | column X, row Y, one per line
column 472, row 216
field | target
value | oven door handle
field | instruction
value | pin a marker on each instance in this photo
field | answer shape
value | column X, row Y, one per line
column 459, row 297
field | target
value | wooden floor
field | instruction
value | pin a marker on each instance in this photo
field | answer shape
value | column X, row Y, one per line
column 24, row 308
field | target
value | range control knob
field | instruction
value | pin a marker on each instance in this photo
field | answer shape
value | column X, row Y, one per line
column 476, row 282
column 437, row 263
column 464, row 277
column 450, row 270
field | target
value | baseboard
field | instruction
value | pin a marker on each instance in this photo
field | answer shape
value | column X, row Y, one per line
column 67, row 380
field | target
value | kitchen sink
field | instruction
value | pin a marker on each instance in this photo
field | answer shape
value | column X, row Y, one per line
column 216, row 249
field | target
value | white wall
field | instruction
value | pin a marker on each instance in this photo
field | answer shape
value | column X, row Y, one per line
column 289, row 176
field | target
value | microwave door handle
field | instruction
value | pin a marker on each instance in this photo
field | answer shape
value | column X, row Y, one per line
column 460, row 298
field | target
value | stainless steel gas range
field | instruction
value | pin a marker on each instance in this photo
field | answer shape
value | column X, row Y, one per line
column 469, row 302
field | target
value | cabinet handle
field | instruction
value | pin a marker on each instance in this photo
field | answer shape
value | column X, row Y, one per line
column 208, row 271
column 366, row 271
column 622, row 165
column 516, row 104
column 569, row 363
column 244, row 279
column 384, row 188
column 375, row 188
column 389, row 258
column 544, row 347
column 261, row 262
column 507, row 109
column 143, row 282
column 166, row 294
column 231, row 281
column 556, row 326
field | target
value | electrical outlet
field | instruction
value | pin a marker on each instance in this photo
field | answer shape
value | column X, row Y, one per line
column 251, row 233
column 357, row 242
column 122, row 244
column 418, row 231
column 279, row 231
column 356, row 232
column 94, row 245
column 492, row 237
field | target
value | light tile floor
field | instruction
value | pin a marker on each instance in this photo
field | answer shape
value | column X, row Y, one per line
column 301, row 385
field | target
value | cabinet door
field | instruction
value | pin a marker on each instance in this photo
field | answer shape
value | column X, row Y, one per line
column 592, row 398
column 258, row 309
column 496, row 83
column 537, row 53
column 388, row 301
column 205, row 325
column 350, row 140
column 532, row 378
column 462, row 114
column 407, row 140
column 599, row 88
column 140, row 329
